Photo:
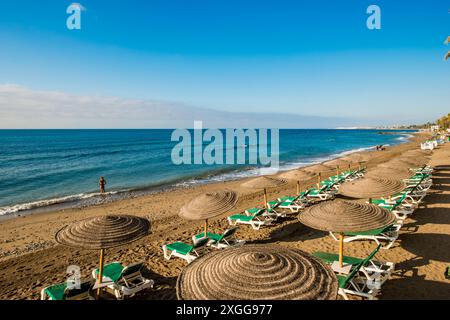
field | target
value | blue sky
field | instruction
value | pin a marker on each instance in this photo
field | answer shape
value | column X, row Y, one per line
column 313, row 58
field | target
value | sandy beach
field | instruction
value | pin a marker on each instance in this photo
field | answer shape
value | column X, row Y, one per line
column 30, row 259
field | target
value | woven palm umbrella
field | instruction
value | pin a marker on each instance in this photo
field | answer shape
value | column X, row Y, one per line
column 388, row 173
column 258, row 272
column 367, row 188
column 209, row 205
column 358, row 157
column 318, row 168
column 345, row 216
column 405, row 162
column 414, row 160
column 337, row 164
column 263, row 183
column 417, row 152
column 103, row 232
column 298, row 174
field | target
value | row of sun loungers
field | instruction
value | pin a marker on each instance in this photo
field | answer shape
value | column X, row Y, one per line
column 120, row 280
column 364, row 278
column 256, row 218
column 368, row 275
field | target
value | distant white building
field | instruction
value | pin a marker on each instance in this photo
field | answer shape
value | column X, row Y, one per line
column 434, row 128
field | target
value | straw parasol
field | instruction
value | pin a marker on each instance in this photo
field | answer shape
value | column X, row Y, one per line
column 371, row 188
column 414, row 159
column 358, row 157
column 298, row 174
column 417, row 152
column 337, row 163
column 318, row 168
column 257, row 272
column 103, row 232
column 388, row 173
column 209, row 205
column 263, row 182
column 345, row 216
column 405, row 162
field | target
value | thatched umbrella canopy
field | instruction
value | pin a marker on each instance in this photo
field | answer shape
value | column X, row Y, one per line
column 358, row 157
column 257, row 272
column 337, row 164
column 417, row 153
column 414, row 160
column 298, row 174
column 404, row 162
column 345, row 216
column 388, row 173
column 263, row 182
column 318, row 168
column 209, row 205
column 103, row 232
column 366, row 187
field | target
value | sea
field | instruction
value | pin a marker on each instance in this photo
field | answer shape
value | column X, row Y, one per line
column 45, row 170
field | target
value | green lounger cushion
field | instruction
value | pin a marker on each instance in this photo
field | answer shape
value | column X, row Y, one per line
column 273, row 203
column 112, row 271
column 56, row 292
column 287, row 199
column 253, row 210
column 213, row 236
column 329, row 258
column 180, row 247
column 373, row 232
column 241, row 217
column 342, row 281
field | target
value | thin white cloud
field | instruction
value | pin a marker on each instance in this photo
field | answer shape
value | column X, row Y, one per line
column 21, row 107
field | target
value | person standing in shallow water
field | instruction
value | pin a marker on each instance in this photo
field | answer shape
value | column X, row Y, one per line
column 102, row 184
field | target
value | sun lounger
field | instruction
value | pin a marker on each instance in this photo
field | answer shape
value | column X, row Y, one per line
column 376, row 272
column 124, row 280
column 325, row 192
column 62, row 291
column 355, row 284
column 185, row 251
column 225, row 240
column 256, row 220
column 384, row 236
column 294, row 204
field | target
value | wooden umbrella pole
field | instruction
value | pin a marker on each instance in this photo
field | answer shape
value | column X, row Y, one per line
column 319, row 179
column 265, row 198
column 206, row 228
column 341, row 249
column 100, row 272
column 337, row 170
column 349, row 167
column 298, row 187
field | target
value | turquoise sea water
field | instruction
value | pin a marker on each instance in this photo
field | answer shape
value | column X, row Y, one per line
column 41, row 169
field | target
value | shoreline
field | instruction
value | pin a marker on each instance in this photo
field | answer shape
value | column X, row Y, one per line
column 91, row 199
column 24, row 244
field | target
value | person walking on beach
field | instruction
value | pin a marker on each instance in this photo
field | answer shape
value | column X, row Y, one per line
column 102, row 184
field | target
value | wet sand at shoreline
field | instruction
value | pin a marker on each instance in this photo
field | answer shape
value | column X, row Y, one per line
column 31, row 260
